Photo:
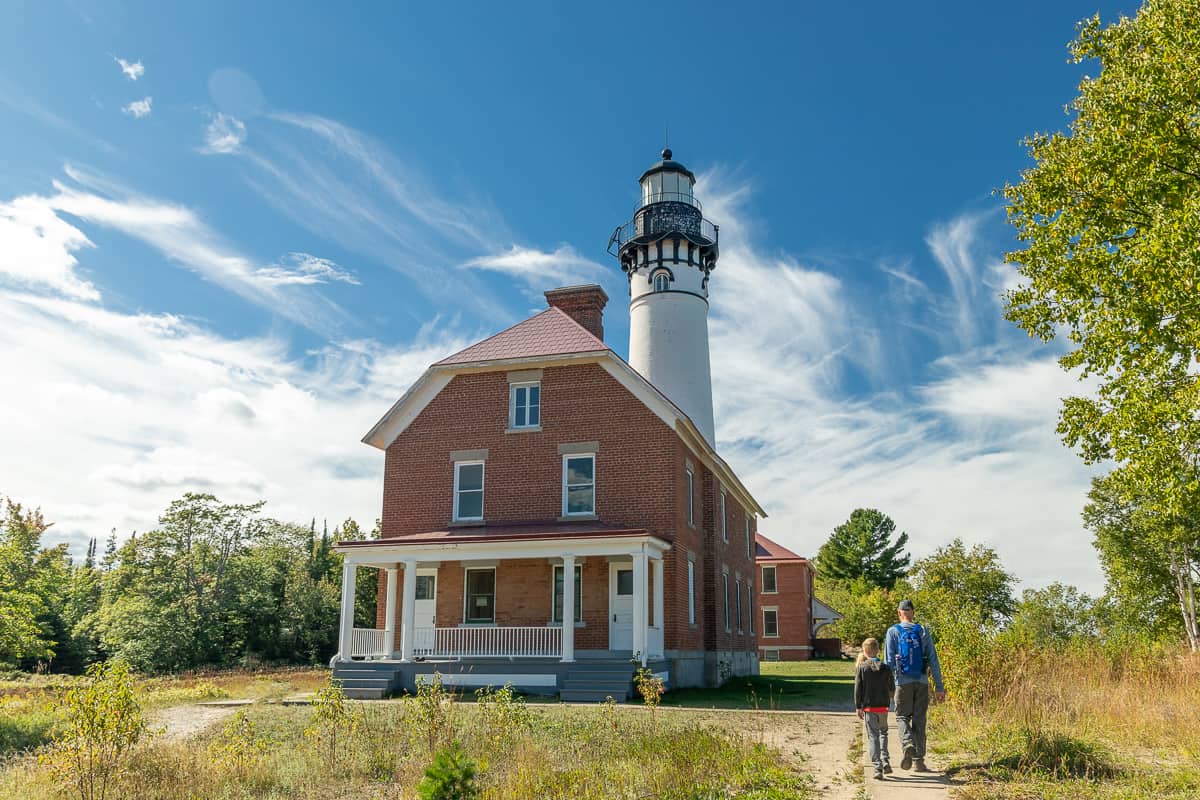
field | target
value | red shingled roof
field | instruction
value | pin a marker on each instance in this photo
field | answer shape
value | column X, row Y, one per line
column 773, row 551
column 550, row 333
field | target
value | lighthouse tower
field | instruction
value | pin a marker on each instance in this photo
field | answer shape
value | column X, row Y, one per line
column 668, row 251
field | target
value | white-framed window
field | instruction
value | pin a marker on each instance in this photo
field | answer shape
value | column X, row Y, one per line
column 749, row 550
column 691, row 503
column 770, row 655
column 724, row 533
column 691, row 592
column 662, row 282
column 524, row 405
column 737, row 590
column 768, row 580
column 426, row 587
column 558, row 594
column 479, row 590
column 468, row 490
column 725, row 579
column 579, row 484
column 770, row 623
column 750, row 606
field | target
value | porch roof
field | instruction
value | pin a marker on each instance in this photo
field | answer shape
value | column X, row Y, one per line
column 529, row 540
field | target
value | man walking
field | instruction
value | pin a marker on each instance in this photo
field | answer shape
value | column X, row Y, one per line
column 909, row 651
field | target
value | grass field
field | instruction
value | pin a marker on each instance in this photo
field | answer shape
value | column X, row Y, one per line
column 782, row 686
column 382, row 750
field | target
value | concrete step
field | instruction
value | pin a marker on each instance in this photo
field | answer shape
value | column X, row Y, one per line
column 366, row 694
column 587, row 683
column 366, row 683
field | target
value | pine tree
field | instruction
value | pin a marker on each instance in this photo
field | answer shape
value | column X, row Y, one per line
column 862, row 548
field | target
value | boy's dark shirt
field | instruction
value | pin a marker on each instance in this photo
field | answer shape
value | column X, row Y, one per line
column 873, row 685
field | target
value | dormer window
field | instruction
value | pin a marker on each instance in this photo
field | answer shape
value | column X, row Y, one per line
column 662, row 282
column 524, row 405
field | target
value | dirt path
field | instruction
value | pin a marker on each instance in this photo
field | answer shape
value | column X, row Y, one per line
column 905, row 784
column 183, row 722
column 819, row 742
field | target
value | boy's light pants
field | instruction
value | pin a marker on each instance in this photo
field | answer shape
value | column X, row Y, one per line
column 876, row 723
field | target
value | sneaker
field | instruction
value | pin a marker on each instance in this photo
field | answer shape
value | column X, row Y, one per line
column 878, row 774
column 887, row 769
column 906, row 762
column 919, row 766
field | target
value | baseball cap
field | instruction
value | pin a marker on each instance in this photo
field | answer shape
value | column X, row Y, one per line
column 906, row 605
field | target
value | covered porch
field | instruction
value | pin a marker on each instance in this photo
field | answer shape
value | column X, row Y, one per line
column 478, row 602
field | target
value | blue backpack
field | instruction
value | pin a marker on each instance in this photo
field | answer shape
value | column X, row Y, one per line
column 910, row 656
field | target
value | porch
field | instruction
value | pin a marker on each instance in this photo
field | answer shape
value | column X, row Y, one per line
column 488, row 608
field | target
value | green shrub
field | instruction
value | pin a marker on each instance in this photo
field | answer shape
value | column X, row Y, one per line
column 333, row 720
column 451, row 776
column 103, row 723
column 433, row 714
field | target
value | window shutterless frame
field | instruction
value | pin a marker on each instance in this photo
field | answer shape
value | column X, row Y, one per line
column 768, row 580
column 737, row 588
column 476, row 588
column 725, row 578
column 770, row 623
column 691, row 592
column 525, row 405
column 750, row 606
column 556, row 593
column 578, row 484
column 468, row 487
column 691, row 503
column 748, row 552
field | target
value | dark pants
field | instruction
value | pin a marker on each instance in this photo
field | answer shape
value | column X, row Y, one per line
column 912, row 708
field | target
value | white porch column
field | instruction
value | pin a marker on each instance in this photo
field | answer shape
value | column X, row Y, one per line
column 346, row 621
column 409, row 610
column 389, row 624
column 568, row 609
column 639, row 606
column 656, row 574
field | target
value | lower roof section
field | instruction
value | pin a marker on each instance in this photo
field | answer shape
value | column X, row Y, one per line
column 529, row 540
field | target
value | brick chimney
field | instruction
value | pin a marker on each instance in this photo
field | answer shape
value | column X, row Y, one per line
column 585, row 304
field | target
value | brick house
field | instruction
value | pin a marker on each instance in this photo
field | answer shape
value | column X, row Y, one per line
column 537, row 477
column 791, row 613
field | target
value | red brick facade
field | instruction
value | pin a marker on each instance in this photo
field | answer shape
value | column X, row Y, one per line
column 640, row 482
column 792, row 602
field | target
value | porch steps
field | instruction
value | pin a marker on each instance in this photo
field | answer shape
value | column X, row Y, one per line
column 367, row 680
column 594, row 683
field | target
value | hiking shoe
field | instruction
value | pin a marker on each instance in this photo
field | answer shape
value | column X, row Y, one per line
column 878, row 774
column 887, row 769
column 919, row 766
column 906, row 762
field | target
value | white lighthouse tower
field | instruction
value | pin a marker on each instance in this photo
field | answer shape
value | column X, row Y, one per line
column 668, row 251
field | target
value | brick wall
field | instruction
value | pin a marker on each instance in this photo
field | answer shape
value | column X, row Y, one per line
column 793, row 580
column 640, row 467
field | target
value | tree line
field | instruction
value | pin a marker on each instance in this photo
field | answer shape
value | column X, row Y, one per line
column 864, row 570
column 213, row 584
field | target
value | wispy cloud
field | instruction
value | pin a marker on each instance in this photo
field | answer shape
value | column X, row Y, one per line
column 539, row 270
column 968, row 449
column 224, row 135
column 39, row 247
column 133, row 409
column 133, row 70
column 139, row 108
column 302, row 269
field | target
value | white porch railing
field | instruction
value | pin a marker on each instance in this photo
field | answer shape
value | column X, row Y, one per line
column 485, row 641
column 370, row 643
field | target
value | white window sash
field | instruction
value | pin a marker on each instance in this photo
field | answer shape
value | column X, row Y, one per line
column 725, row 578
column 512, row 404
column 724, row 533
column 691, row 492
column 767, row 634
column 458, row 465
column 737, row 588
column 566, row 487
column 691, row 592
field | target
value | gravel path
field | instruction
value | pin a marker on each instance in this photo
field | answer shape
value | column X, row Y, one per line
column 183, row 722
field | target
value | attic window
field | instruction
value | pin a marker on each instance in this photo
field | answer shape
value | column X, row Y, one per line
column 662, row 282
column 524, row 405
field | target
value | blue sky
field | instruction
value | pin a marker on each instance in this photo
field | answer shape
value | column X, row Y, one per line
column 231, row 235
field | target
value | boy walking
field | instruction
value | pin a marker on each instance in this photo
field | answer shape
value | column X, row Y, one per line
column 873, row 687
